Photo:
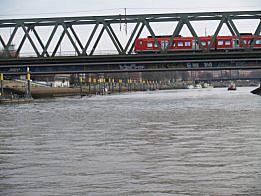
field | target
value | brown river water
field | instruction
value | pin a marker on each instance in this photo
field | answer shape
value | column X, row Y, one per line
column 177, row 142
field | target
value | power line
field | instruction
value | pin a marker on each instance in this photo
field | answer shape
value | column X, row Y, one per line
column 120, row 10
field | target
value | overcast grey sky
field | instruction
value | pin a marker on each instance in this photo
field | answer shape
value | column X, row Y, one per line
column 39, row 8
column 54, row 8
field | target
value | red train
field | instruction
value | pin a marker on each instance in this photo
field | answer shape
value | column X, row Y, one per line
column 147, row 45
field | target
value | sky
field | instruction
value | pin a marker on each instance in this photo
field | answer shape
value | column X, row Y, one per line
column 39, row 8
column 54, row 8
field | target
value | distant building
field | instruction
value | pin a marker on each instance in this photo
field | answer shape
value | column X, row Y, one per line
column 11, row 49
column 57, row 80
column 61, row 80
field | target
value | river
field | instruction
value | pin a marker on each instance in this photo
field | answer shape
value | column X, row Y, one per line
column 176, row 142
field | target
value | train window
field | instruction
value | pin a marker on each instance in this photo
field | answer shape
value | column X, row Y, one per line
column 203, row 43
column 180, row 43
column 227, row 43
column 188, row 43
column 220, row 42
column 258, row 41
column 149, row 45
column 141, row 43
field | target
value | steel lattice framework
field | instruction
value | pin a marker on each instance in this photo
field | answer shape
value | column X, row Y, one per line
column 140, row 22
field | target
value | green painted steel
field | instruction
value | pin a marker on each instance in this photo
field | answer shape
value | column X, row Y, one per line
column 143, row 20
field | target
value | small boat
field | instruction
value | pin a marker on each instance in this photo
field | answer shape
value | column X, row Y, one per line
column 190, row 86
column 198, row 86
column 207, row 85
column 232, row 87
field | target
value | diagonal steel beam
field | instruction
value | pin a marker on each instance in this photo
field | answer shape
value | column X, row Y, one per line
column 21, row 43
column 112, row 37
column 30, row 40
column 258, row 29
column 38, row 38
column 97, row 41
column 10, row 41
column 237, row 32
column 76, row 37
column 12, row 36
column 49, row 40
column 137, row 36
column 214, row 37
column 70, row 38
column 58, row 43
column 257, row 32
column 230, row 28
column 2, row 42
column 90, row 39
column 115, row 37
column 131, row 37
column 193, row 32
column 152, row 33
column 175, row 33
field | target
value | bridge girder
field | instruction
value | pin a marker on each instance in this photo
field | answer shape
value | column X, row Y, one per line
column 132, row 63
column 28, row 27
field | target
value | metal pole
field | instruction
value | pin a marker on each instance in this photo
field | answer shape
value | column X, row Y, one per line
column 112, row 87
column 99, row 85
column 89, row 83
column 120, row 82
column 2, row 87
column 109, row 85
column 81, row 86
column 94, row 81
column 104, row 86
column 28, row 91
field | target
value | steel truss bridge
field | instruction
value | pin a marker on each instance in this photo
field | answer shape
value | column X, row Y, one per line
column 48, row 61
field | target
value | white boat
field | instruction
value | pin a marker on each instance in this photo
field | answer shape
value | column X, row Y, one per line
column 198, row 86
column 190, row 86
column 207, row 85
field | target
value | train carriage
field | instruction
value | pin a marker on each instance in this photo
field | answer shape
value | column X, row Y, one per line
column 184, row 44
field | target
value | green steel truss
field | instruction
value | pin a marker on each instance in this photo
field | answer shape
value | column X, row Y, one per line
column 141, row 21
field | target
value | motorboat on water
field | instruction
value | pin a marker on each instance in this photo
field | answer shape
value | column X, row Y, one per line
column 190, row 86
column 207, row 85
column 232, row 87
column 198, row 86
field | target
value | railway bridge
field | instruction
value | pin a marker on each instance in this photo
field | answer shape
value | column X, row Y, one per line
column 86, row 59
